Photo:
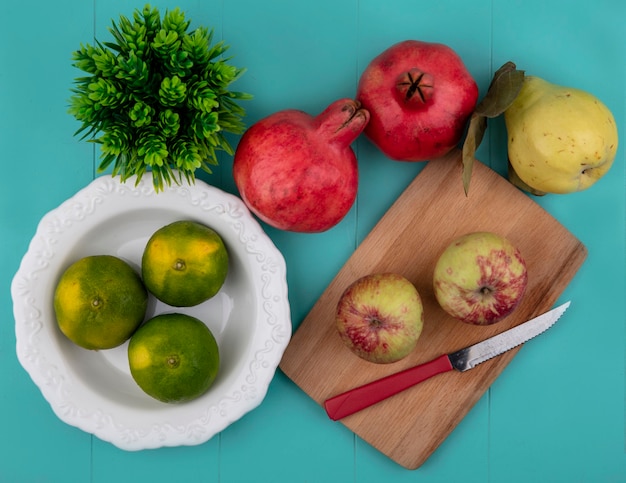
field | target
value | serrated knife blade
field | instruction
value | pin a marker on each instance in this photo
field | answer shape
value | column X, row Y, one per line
column 354, row 400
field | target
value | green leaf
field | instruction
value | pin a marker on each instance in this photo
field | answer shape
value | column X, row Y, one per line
column 140, row 114
column 503, row 89
column 115, row 143
column 105, row 61
column 169, row 123
column 165, row 43
column 218, row 49
column 105, row 93
column 84, row 59
column 186, row 155
column 475, row 133
column 154, row 86
column 150, row 18
column 517, row 181
column 202, row 97
column 179, row 64
column 204, row 124
column 175, row 20
column 152, row 148
column 196, row 45
column 172, row 92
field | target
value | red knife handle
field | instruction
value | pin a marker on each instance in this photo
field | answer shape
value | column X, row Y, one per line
column 364, row 396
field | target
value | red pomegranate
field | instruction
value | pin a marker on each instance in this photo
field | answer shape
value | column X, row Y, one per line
column 298, row 172
column 420, row 97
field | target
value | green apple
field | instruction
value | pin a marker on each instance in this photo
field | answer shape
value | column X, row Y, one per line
column 480, row 278
column 380, row 317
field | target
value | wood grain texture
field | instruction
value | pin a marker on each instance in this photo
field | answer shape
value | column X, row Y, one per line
column 429, row 214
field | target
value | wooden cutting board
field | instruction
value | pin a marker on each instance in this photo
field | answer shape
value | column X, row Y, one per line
column 431, row 212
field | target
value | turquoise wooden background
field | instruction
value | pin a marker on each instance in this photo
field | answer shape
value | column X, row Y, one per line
column 557, row 414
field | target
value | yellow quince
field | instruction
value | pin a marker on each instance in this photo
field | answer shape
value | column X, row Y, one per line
column 560, row 139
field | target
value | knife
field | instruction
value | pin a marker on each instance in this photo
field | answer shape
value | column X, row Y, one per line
column 354, row 400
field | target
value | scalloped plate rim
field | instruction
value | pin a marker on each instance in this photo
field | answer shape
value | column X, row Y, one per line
column 206, row 420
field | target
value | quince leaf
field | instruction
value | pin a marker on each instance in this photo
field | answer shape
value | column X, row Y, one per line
column 503, row 89
column 475, row 133
column 517, row 181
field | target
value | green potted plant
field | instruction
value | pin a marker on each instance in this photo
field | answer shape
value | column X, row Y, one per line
column 157, row 98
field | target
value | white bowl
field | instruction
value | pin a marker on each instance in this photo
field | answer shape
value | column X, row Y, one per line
column 93, row 390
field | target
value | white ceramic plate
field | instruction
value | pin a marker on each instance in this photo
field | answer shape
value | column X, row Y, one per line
column 93, row 390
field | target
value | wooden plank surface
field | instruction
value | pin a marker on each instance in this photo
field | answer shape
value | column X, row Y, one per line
column 430, row 213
